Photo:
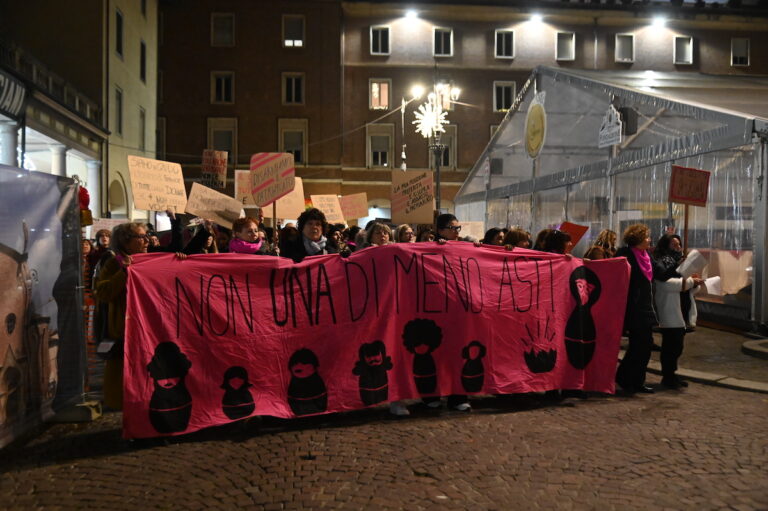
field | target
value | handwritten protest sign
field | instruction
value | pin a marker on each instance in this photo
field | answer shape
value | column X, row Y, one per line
column 243, row 188
column 689, row 186
column 156, row 185
column 214, row 169
column 290, row 205
column 329, row 204
column 272, row 176
column 412, row 197
column 213, row 205
column 354, row 206
column 234, row 335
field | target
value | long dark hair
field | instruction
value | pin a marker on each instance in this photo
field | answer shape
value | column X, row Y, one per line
column 662, row 246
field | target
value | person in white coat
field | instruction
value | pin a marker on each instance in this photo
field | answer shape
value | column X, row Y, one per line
column 675, row 306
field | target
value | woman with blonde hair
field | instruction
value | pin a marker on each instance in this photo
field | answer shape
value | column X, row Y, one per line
column 404, row 234
column 640, row 317
column 607, row 241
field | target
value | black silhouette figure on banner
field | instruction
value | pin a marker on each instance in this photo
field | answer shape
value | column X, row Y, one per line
column 171, row 405
column 541, row 360
column 580, row 331
column 238, row 401
column 372, row 369
column 473, row 373
column 421, row 337
column 306, row 392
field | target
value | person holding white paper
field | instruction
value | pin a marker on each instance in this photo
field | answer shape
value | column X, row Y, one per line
column 675, row 306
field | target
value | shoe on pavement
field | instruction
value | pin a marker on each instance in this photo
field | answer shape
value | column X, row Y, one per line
column 645, row 389
column 435, row 404
column 463, row 407
column 670, row 384
column 398, row 409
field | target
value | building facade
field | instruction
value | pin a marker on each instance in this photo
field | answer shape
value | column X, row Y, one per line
column 330, row 80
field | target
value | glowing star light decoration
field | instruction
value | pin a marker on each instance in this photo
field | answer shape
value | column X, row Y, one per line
column 430, row 117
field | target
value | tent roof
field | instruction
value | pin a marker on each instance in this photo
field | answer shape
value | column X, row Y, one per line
column 742, row 95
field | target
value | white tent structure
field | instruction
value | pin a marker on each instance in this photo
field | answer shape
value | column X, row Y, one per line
column 713, row 123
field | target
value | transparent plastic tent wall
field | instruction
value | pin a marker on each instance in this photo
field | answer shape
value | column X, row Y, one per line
column 610, row 188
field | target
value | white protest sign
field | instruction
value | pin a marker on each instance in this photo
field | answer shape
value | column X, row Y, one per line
column 212, row 205
column 330, row 206
column 156, row 185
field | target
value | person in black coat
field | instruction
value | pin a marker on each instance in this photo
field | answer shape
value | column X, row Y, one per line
column 311, row 240
column 640, row 317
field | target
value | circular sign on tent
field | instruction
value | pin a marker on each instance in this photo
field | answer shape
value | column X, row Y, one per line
column 535, row 126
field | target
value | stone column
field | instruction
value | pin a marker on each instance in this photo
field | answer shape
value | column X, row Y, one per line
column 93, row 184
column 58, row 160
column 9, row 142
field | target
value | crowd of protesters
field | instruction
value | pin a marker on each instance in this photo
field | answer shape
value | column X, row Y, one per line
column 657, row 296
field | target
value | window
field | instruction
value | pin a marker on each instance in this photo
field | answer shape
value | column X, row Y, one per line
column 118, row 111
column 144, row 8
column 683, row 54
column 505, row 44
column 740, row 51
column 443, row 42
column 293, row 88
column 222, row 87
column 503, row 96
column 378, row 93
column 379, row 40
column 222, row 136
column 222, row 29
column 119, row 32
column 565, row 46
column 380, row 145
column 142, row 129
column 625, row 48
column 143, row 62
column 448, row 139
column 160, row 138
column 292, row 135
column 293, row 31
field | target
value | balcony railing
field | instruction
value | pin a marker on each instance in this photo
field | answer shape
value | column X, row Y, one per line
column 17, row 59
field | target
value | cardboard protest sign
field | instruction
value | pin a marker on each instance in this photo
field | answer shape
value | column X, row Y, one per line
column 290, row 205
column 272, row 176
column 689, row 186
column 156, row 185
column 213, row 205
column 329, row 204
column 412, row 197
column 354, row 206
column 575, row 230
column 235, row 335
column 243, row 188
column 214, row 169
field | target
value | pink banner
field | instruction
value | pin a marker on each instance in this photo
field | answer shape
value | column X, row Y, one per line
column 216, row 338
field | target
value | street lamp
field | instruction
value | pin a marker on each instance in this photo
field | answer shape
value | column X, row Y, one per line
column 430, row 118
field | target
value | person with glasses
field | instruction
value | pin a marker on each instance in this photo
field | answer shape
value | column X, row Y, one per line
column 110, row 289
column 404, row 234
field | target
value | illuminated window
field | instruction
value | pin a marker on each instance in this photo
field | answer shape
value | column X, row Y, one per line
column 443, row 44
column 505, row 44
column 293, row 31
column 379, row 40
column 503, row 96
column 378, row 94
column 739, row 51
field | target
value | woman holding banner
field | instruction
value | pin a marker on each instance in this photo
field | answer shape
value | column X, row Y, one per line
column 246, row 239
column 110, row 288
column 640, row 317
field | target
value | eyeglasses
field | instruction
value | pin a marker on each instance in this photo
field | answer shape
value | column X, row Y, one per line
column 144, row 237
column 456, row 228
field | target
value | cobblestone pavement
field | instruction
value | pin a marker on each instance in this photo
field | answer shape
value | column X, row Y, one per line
column 701, row 448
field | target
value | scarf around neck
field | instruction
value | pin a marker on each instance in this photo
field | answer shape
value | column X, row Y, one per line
column 644, row 262
column 314, row 247
column 239, row 246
